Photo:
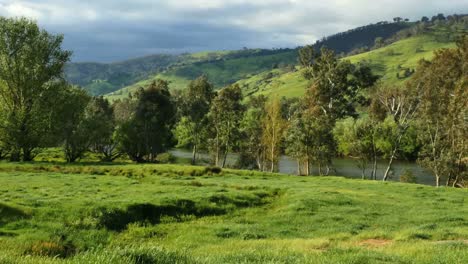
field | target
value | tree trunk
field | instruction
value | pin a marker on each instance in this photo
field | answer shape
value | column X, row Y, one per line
column 224, row 159
column 389, row 167
column 307, row 167
column 194, row 154
column 299, row 167
column 437, row 180
column 374, row 169
column 217, row 150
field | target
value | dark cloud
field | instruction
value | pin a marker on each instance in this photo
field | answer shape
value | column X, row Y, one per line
column 111, row 30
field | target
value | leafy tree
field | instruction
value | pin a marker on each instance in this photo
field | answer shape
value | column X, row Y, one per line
column 191, row 130
column 337, row 86
column 76, row 127
column 400, row 106
column 442, row 85
column 379, row 42
column 252, row 149
column 307, row 55
column 358, row 139
column 102, row 134
column 225, row 116
column 147, row 133
column 31, row 67
column 307, row 140
column 273, row 129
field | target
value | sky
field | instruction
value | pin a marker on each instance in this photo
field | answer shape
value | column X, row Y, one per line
column 115, row 30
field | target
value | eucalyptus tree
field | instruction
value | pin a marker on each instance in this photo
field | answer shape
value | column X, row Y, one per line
column 399, row 106
column 225, row 117
column 442, row 85
column 274, row 126
column 191, row 130
column 147, row 131
column 252, row 149
column 31, row 69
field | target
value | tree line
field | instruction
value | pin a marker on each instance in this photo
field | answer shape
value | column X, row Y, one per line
column 346, row 111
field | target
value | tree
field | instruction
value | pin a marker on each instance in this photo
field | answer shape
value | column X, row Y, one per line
column 273, row 129
column 252, row 149
column 75, row 126
column 400, row 106
column 337, row 86
column 307, row 55
column 191, row 130
column 379, row 42
column 31, row 67
column 425, row 19
column 102, row 123
column 443, row 88
column 358, row 139
column 147, row 133
column 225, row 115
column 397, row 19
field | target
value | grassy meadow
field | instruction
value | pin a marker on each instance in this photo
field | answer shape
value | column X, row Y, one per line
column 124, row 213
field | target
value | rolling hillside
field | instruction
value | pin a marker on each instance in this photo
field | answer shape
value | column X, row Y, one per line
column 222, row 67
column 394, row 63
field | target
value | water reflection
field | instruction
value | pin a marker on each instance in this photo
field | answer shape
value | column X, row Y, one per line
column 343, row 167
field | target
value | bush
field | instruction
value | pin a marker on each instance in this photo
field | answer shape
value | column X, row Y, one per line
column 213, row 170
column 408, row 177
column 166, row 158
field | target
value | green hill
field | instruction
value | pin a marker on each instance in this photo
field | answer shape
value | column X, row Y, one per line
column 222, row 67
column 394, row 63
column 57, row 213
column 221, row 71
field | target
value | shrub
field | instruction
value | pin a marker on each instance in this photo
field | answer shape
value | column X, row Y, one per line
column 408, row 177
column 166, row 158
column 213, row 170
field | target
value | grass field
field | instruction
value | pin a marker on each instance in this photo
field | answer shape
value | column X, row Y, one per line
column 91, row 213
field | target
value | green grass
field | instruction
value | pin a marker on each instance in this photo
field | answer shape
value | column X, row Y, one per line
column 90, row 213
column 386, row 62
column 404, row 54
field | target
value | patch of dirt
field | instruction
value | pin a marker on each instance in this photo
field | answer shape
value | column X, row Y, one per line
column 375, row 242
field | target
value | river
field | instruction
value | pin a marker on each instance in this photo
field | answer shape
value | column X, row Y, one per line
column 343, row 167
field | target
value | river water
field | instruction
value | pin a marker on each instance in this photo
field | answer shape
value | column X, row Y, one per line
column 342, row 167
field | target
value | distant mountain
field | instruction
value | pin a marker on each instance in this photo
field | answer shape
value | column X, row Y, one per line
column 361, row 37
column 222, row 67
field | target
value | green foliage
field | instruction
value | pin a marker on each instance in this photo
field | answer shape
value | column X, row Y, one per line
column 408, row 177
column 225, row 116
column 76, row 126
column 147, row 132
column 192, row 129
column 31, row 66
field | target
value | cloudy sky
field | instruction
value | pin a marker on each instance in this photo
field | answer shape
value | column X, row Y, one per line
column 113, row 30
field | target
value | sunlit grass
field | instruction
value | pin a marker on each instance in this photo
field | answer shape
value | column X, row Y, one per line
column 149, row 213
